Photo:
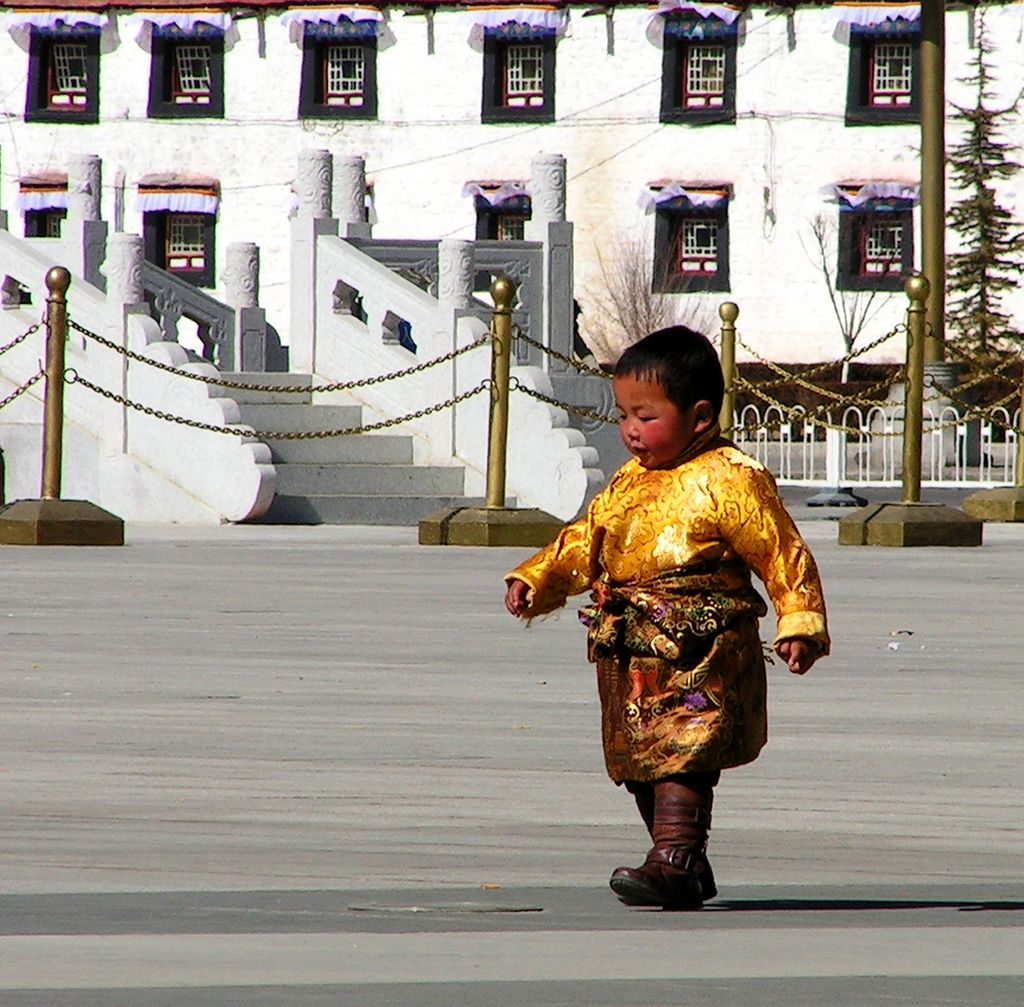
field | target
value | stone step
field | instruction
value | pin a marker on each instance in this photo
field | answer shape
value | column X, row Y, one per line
column 348, row 479
column 297, row 479
column 268, row 382
column 382, row 449
column 359, row 509
column 295, row 417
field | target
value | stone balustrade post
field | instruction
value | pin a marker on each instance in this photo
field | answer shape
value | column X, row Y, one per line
column 350, row 196
column 84, row 233
column 547, row 195
column 242, row 275
column 313, row 190
column 455, row 274
column 126, row 296
column 125, row 254
column 547, row 224
column 242, row 292
column 313, row 184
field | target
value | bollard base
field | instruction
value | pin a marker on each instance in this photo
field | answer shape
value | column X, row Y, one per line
column 836, row 496
column 1004, row 503
column 910, row 524
column 491, row 526
column 59, row 522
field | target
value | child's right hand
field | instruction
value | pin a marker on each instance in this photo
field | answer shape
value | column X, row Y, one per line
column 517, row 597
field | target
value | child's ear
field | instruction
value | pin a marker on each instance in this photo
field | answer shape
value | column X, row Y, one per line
column 703, row 416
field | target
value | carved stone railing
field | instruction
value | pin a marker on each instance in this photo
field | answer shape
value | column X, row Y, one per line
column 171, row 298
column 232, row 339
column 521, row 261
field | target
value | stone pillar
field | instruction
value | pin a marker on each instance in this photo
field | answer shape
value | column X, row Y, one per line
column 350, row 196
column 548, row 224
column 84, row 187
column 313, row 181
column 242, row 275
column 454, row 274
column 242, row 292
column 84, row 234
column 547, row 195
column 124, row 269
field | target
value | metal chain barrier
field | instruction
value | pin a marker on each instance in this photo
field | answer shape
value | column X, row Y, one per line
column 591, row 414
column 20, row 339
column 900, row 329
column 337, row 386
column 72, row 377
column 572, row 362
column 789, row 413
column 840, row 400
column 22, row 388
column 787, row 377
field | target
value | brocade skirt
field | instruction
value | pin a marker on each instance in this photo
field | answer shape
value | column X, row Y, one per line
column 708, row 711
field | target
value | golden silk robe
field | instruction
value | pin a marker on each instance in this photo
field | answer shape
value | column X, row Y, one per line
column 673, row 628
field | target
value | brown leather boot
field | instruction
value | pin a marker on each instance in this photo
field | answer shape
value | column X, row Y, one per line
column 676, row 873
column 643, row 794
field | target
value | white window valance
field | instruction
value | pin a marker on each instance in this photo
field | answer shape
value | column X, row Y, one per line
column 540, row 16
column 724, row 12
column 702, row 194
column 495, row 192
column 295, row 20
column 22, row 22
column 177, row 194
column 857, row 194
column 187, row 21
column 42, row 192
column 870, row 15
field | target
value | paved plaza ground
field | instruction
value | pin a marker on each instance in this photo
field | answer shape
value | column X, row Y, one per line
column 287, row 767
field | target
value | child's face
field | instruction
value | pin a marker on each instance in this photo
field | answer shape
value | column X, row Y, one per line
column 653, row 428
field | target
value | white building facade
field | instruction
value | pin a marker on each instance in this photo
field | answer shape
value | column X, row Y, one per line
column 708, row 137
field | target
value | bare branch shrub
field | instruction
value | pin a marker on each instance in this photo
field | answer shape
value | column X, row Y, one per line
column 853, row 309
column 621, row 306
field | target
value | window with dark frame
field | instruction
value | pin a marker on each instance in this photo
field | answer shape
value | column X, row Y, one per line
column 502, row 220
column 181, row 243
column 691, row 246
column 44, row 223
column 519, row 74
column 63, row 76
column 698, row 82
column 884, row 74
column 876, row 245
column 505, row 221
column 187, row 72
column 339, row 70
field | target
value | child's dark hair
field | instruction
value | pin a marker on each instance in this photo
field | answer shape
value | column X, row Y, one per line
column 682, row 361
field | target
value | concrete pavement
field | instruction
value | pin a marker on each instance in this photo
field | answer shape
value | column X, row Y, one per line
column 306, row 766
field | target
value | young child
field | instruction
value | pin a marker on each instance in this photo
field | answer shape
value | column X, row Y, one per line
column 667, row 549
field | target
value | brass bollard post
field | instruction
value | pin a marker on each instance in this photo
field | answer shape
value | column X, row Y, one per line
column 728, row 312
column 51, row 520
column 917, row 288
column 494, row 523
column 58, row 279
column 503, row 292
column 1019, row 457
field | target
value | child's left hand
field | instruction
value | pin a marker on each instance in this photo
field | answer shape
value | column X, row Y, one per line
column 799, row 654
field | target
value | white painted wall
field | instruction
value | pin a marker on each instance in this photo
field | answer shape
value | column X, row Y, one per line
column 789, row 141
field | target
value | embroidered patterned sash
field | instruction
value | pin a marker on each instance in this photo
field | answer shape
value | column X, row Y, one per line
column 676, row 613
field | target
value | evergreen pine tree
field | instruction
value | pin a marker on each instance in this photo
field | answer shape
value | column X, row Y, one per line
column 992, row 255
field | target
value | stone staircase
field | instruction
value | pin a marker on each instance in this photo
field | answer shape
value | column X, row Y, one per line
column 354, row 479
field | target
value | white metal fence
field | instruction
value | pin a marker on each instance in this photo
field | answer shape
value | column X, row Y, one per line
column 864, row 445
